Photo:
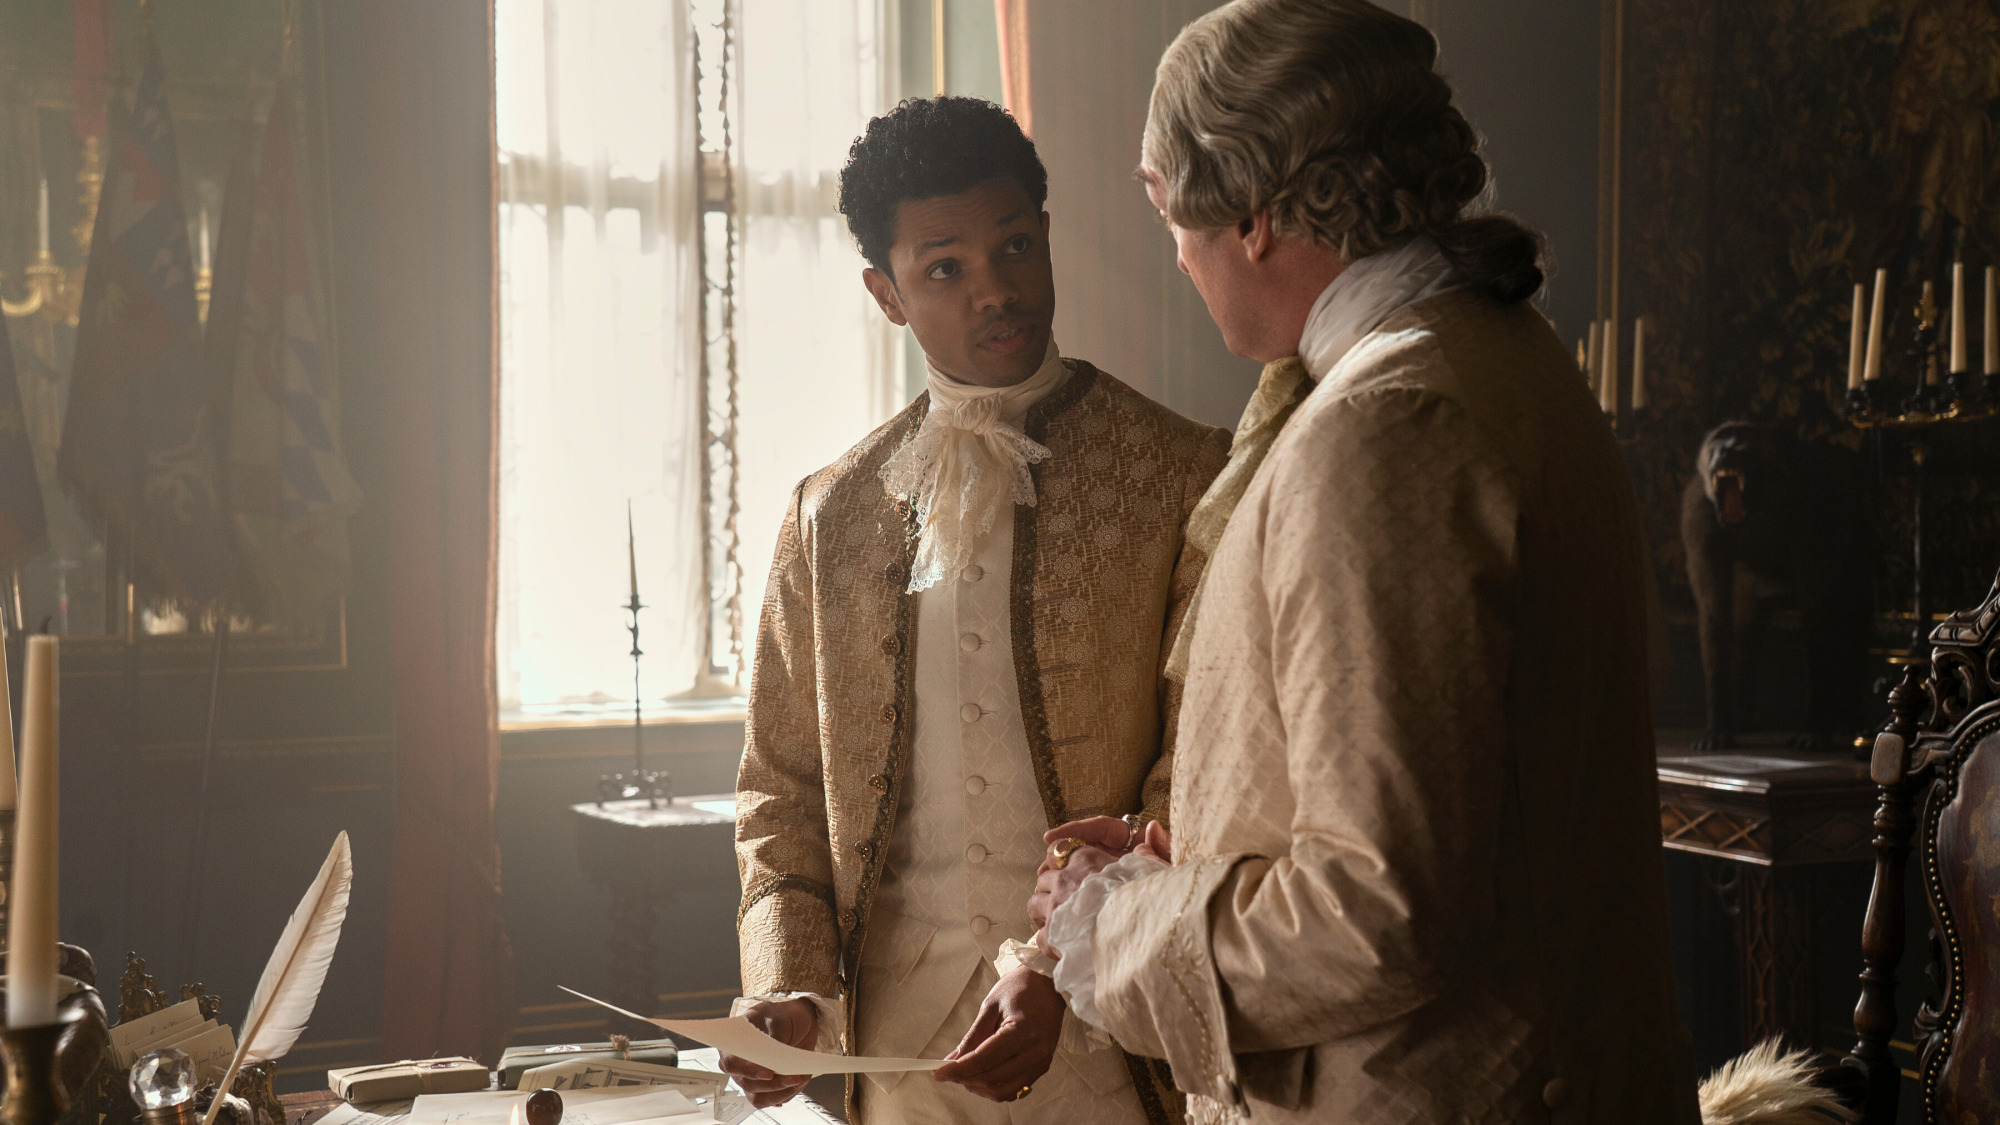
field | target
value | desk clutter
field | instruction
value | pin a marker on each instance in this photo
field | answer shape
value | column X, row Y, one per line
column 167, row 1061
column 588, row 1087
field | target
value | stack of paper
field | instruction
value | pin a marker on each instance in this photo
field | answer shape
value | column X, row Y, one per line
column 181, row 1026
column 597, row 1074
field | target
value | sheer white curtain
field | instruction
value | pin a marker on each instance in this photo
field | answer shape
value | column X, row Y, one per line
column 820, row 366
column 599, row 298
column 600, row 316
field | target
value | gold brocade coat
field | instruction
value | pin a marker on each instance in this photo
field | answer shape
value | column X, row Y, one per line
column 1099, row 584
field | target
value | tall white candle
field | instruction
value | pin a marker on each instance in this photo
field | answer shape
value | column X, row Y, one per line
column 1607, row 387
column 31, row 921
column 1639, row 363
column 1958, row 318
column 6, row 734
column 1855, row 340
column 1992, row 325
column 204, row 238
column 1873, row 368
column 42, row 215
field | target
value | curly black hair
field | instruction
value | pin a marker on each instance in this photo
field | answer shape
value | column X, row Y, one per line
column 925, row 148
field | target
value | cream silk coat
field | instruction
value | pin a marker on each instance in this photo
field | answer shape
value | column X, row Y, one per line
column 1099, row 581
column 1417, row 873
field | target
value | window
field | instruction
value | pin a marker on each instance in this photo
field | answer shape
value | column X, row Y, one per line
column 683, row 329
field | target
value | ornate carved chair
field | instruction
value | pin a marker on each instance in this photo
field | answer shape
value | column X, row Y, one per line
column 1940, row 754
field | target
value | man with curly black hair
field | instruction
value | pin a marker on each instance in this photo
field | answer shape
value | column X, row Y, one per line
column 962, row 644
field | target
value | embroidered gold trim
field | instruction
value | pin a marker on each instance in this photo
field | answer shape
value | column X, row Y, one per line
column 765, row 888
column 1021, row 596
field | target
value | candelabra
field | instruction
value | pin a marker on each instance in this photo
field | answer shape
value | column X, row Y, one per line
column 1931, row 402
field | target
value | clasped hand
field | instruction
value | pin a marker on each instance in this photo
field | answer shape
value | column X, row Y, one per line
column 1105, row 840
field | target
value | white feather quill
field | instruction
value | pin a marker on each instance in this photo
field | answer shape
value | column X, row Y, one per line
column 292, row 977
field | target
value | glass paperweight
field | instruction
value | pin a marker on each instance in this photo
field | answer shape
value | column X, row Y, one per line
column 162, row 1083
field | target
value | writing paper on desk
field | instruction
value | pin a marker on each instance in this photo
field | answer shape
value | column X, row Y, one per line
column 735, row 1036
column 129, row 1040
column 628, row 1105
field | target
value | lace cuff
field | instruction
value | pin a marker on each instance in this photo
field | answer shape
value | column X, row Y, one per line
column 831, row 1014
column 1023, row 955
column 1073, row 927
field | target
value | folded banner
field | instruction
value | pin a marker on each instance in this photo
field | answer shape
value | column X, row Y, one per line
column 735, row 1036
column 139, row 444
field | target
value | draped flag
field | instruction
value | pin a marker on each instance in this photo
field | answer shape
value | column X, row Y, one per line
column 23, row 527
column 288, row 490
column 139, row 440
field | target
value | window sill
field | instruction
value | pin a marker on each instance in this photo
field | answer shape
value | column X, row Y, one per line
column 664, row 712
column 601, row 731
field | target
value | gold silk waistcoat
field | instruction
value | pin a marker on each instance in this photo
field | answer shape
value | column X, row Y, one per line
column 1098, row 586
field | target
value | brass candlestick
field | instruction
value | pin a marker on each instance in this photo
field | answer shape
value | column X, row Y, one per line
column 34, row 1094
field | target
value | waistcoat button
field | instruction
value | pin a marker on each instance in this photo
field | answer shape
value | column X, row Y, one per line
column 973, row 572
column 980, row 924
column 864, row 849
column 970, row 712
column 968, row 642
column 879, row 783
column 975, row 785
column 888, row 712
column 976, row 853
column 848, row 918
column 892, row 645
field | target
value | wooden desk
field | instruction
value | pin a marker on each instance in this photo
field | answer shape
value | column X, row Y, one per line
column 1768, row 814
column 643, row 856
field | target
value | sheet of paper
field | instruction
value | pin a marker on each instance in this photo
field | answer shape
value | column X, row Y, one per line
column 593, row 1074
column 625, row 1105
column 128, row 1035
column 210, row 1050
column 736, row 1037
column 378, row 1113
column 734, row 1108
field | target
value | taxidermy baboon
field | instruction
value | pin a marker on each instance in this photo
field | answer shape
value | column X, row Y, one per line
column 1766, row 521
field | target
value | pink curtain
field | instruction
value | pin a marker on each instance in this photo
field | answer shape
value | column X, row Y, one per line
column 449, row 977
column 1012, row 16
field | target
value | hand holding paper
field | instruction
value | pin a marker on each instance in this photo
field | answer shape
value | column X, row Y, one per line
column 735, row 1036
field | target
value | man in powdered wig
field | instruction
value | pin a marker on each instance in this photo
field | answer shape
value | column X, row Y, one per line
column 961, row 646
column 1414, row 872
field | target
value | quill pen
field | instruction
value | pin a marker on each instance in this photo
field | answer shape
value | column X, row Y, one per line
column 292, row 977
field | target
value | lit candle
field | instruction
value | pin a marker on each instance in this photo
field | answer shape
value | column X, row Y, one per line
column 1591, row 364
column 1607, row 387
column 42, row 214
column 1958, row 318
column 31, row 921
column 632, row 552
column 1872, row 369
column 7, row 795
column 1582, row 358
column 1992, row 325
column 1854, row 341
column 1639, row 363
column 204, row 239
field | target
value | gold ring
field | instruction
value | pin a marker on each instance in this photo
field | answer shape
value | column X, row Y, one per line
column 1063, row 849
column 1022, row 1092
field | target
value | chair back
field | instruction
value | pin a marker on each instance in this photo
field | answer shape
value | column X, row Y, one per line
column 1941, row 754
column 1958, row 853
